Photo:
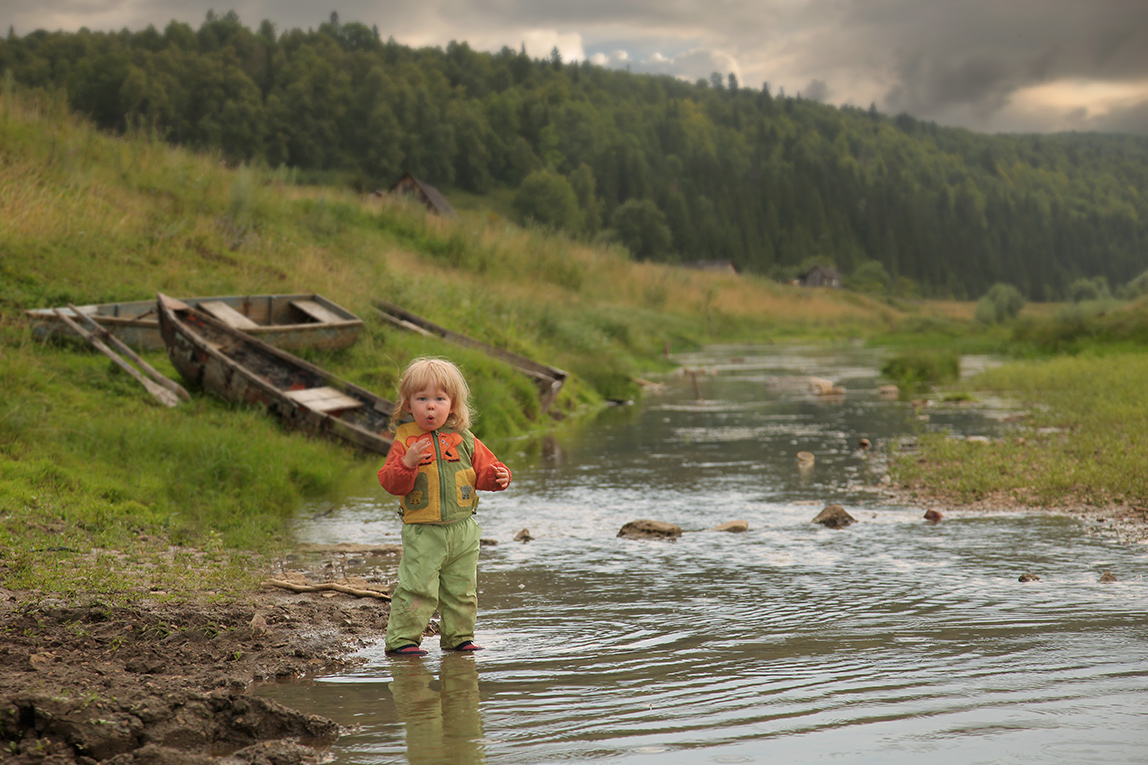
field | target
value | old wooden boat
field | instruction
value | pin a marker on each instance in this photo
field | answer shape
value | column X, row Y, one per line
column 240, row 368
column 286, row 321
column 549, row 379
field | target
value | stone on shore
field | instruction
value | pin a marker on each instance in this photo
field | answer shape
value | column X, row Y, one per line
column 733, row 526
column 647, row 529
column 834, row 517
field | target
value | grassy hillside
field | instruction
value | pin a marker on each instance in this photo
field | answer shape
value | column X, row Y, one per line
column 88, row 461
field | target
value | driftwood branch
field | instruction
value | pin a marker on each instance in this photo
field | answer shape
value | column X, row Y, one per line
column 148, row 369
column 358, row 593
column 159, row 393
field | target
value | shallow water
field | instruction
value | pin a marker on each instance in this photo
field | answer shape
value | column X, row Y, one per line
column 890, row 641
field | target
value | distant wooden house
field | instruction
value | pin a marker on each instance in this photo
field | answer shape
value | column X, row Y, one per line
column 720, row 266
column 821, row 276
column 425, row 193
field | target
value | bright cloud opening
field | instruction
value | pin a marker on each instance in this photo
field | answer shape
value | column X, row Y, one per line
column 1094, row 97
column 539, row 43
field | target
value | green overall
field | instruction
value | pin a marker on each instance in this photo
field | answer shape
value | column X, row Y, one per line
column 438, row 569
column 440, row 544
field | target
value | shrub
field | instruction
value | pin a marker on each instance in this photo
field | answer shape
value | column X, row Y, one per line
column 641, row 227
column 922, row 369
column 1001, row 303
column 1083, row 290
column 548, row 199
column 870, row 278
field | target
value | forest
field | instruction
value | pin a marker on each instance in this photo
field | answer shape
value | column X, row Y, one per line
column 675, row 171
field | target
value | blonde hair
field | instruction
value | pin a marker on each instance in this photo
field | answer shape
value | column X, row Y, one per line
column 427, row 371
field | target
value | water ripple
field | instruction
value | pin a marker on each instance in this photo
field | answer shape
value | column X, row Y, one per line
column 890, row 641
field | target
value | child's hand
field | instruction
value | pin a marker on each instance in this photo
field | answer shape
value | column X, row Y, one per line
column 501, row 477
column 416, row 451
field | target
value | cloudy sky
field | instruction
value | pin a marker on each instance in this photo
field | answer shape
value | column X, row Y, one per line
column 989, row 65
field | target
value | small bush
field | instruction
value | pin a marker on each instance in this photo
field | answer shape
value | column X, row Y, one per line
column 1085, row 290
column 870, row 278
column 1001, row 303
column 922, row 369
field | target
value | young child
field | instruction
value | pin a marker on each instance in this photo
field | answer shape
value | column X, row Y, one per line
column 435, row 464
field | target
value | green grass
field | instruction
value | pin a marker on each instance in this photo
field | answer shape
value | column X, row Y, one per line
column 1085, row 439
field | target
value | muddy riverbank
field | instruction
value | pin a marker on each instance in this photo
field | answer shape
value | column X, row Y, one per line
column 167, row 682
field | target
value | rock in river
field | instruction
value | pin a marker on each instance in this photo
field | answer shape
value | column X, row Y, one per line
column 645, row 529
column 834, row 517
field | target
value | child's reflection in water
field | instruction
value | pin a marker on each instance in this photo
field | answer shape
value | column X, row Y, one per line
column 442, row 719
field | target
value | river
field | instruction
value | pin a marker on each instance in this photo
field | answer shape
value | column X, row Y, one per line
column 894, row 640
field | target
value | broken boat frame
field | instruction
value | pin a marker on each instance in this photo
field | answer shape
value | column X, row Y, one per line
column 292, row 322
column 549, row 379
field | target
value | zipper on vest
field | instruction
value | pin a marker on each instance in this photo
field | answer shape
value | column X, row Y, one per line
column 441, row 477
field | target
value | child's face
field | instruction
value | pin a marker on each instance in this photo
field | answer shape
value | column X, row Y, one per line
column 430, row 407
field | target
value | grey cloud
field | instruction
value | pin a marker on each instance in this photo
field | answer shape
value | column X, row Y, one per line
column 976, row 55
column 927, row 85
column 816, row 90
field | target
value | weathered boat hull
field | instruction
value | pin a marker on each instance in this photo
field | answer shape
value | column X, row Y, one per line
column 242, row 369
column 549, row 379
column 281, row 320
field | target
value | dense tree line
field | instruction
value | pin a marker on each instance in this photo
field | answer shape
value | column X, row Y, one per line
column 683, row 171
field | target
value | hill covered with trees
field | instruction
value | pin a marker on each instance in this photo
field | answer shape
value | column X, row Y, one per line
column 675, row 171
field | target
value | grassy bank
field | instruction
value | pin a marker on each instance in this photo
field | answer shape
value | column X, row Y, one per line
column 101, row 490
column 1078, row 372
column 1082, row 440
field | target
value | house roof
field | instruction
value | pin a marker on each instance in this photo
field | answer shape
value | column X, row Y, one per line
column 826, row 271
column 433, row 196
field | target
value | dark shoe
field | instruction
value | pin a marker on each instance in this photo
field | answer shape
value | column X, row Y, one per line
column 467, row 645
column 408, row 650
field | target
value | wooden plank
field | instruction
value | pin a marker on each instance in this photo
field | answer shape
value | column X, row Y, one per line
column 316, row 311
column 159, row 393
column 323, row 399
column 228, row 315
column 148, row 369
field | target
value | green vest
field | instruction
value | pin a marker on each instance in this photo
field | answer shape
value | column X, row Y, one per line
column 444, row 489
